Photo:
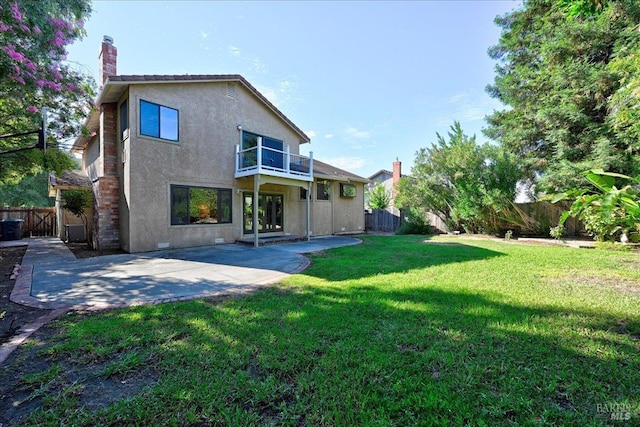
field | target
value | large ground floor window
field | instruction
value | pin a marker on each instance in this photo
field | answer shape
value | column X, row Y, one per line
column 270, row 213
column 200, row 205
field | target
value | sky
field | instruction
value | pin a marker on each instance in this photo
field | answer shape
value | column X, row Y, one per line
column 368, row 81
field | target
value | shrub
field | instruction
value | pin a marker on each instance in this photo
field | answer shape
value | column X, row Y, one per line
column 414, row 225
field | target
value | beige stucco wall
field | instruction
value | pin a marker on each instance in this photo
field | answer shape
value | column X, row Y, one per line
column 339, row 214
column 92, row 161
column 203, row 156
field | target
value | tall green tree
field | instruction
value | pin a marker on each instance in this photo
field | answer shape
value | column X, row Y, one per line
column 378, row 197
column 34, row 73
column 561, row 69
column 465, row 184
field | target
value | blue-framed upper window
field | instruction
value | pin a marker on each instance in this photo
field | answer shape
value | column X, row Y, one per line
column 158, row 121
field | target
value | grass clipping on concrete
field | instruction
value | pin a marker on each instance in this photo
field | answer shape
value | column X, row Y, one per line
column 396, row 331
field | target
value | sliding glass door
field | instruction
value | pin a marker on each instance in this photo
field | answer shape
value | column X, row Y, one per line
column 270, row 213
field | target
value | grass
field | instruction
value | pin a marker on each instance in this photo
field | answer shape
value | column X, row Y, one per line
column 396, row 331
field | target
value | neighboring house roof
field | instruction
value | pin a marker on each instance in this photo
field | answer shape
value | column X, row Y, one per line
column 69, row 180
column 326, row 171
column 115, row 86
column 380, row 172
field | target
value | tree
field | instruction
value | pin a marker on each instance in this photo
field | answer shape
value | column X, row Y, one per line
column 465, row 184
column 609, row 212
column 378, row 197
column 78, row 202
column 30, row 191
column 561, row 69
column 33, row 74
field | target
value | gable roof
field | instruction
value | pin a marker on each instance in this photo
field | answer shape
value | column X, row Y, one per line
column 380, row 172
column 115, row 86
column 326, row 171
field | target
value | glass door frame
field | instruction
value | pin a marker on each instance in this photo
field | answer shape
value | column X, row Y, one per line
column 275, row 216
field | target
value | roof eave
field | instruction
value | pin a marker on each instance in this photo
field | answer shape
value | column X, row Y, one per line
column 115, row 86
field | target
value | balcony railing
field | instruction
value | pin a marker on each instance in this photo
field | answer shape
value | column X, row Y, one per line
column 269, row 161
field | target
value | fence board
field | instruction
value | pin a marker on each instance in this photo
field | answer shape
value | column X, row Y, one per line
column 380, row 220
column 35, row 221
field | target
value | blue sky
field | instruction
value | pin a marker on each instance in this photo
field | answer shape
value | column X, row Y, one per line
column 368, row 81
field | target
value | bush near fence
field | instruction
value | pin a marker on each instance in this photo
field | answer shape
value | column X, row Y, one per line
column 544, row 215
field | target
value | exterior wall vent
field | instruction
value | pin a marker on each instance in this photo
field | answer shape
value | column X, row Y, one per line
column 231, row 90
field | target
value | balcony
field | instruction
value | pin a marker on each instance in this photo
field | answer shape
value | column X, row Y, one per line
column 263, row 160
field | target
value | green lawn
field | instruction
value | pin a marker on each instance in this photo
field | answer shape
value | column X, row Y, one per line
column 397, row 331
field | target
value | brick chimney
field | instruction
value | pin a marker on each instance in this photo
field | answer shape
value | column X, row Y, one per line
column 397, row 174
column 108, row 59
column 397, row 171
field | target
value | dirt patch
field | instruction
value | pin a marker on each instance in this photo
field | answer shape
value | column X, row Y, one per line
column 619, row 284
column 23, row 375
column 82, row 250
column 35, row 376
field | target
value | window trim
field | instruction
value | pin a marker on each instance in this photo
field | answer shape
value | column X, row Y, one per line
column 219, row 207
column 307, row 194
column 159, row 118
column 124, row 125
column 327, row 184
column 344, row 194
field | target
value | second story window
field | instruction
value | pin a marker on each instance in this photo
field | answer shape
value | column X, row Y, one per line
column 158, row 121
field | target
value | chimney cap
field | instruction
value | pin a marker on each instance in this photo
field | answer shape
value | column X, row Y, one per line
column 107, row 39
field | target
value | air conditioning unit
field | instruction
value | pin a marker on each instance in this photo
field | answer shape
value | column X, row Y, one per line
column 75, row 233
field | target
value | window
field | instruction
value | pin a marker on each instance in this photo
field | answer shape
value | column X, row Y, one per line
column 347, row 190
column 200, row 205
column 303, row 193
column 124, row 119
column 158, row 121
column 272, row 149
column 323, row 189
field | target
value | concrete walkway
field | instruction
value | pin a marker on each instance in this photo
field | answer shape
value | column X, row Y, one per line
column 52, row 278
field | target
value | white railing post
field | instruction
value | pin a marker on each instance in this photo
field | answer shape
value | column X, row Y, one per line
column 237, row 157
column 311, row 164
column 288, row 160
column 259, row 154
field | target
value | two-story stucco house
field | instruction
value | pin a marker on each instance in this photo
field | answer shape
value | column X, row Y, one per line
column 190, row 160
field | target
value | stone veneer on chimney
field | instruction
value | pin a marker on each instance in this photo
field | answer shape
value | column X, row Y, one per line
column 107, row 188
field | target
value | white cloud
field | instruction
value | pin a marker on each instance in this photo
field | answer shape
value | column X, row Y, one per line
column 234, row 51
column 355, row 133
column 346, row 163
column 204, row 34
column 329, row 136
column 283, row 93
column 259, row 66
column 311, row 133
column 466, row 106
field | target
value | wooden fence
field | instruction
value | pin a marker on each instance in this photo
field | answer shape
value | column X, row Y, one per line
column 35, row 221
column 382, row 221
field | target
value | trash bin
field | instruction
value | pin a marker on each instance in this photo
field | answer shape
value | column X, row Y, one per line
column 11, row 229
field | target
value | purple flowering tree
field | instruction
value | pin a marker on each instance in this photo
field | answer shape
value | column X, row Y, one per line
column 34, row 73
